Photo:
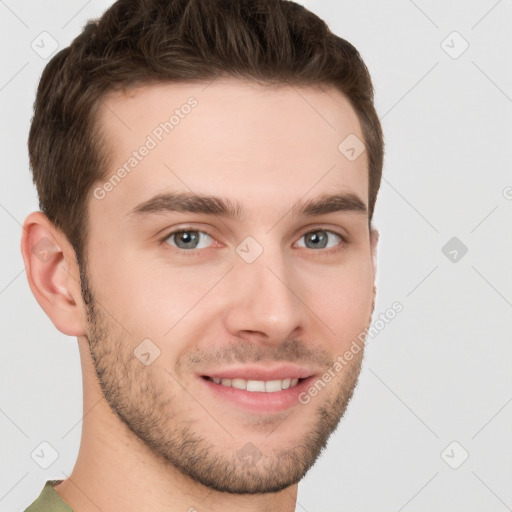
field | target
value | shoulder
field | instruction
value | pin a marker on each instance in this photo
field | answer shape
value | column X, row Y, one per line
column 49, row 500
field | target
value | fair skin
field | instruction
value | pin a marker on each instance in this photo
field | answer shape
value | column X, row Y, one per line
column 162, row 436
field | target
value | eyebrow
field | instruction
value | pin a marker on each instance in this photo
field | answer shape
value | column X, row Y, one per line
column 185, row 202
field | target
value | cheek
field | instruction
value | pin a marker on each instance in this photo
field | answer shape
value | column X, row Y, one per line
column 141, row 299
column 343, row 299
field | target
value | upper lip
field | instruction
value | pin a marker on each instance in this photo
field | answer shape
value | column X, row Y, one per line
column 251, row 372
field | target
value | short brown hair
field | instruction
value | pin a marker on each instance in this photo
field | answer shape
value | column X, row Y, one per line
column 137, row 42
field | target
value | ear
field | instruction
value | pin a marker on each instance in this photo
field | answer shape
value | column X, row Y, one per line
column 52, row 273
column 374, row 239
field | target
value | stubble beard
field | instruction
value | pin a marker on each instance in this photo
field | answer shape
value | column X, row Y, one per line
column 143, row 402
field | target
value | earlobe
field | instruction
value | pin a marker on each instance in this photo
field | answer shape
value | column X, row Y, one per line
column 52, row 274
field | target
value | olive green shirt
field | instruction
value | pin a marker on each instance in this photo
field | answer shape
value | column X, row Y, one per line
column 49, row 500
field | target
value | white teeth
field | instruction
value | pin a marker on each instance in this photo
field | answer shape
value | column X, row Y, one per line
column 271, row 386
column 239, row 383
column 255, row 385
column 268, row 386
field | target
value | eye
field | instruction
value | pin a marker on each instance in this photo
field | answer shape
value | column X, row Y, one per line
column 188, row 239
column 319, row 239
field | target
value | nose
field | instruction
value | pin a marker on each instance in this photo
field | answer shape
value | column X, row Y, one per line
column 264, row 299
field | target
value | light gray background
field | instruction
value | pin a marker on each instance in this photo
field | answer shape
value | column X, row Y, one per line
column 439, row 372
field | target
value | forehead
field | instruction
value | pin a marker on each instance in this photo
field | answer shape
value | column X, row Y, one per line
column 265, row 146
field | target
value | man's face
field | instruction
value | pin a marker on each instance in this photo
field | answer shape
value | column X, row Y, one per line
column 266, row 300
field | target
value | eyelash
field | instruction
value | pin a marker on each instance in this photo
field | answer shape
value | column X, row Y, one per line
column 193, row 252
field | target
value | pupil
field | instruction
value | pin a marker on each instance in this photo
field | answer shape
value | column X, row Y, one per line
column 318, row 241
column 188, row 238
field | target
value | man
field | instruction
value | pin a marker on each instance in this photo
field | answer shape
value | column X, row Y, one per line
column 207, row 174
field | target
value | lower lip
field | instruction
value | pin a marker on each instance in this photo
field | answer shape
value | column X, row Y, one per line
column 259, row 401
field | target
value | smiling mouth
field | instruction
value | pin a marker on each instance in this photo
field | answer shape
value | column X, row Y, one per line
column 261, row 386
